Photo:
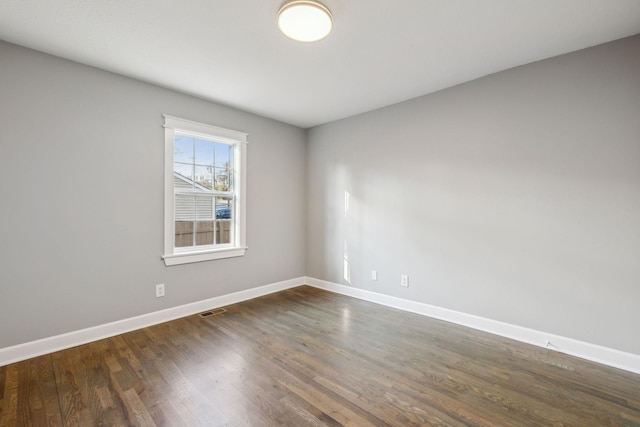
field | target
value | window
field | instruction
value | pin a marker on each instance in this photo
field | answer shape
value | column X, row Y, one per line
column 204, row 192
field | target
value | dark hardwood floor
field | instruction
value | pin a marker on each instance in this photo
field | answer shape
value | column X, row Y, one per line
column 306, row 357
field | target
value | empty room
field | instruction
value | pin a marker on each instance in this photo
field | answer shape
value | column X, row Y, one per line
column 309, row 213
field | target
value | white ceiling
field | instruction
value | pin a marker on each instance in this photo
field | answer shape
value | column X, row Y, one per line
column 380, row 52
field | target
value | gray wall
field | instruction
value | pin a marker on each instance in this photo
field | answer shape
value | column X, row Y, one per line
column 515, row 197
column 81, row 199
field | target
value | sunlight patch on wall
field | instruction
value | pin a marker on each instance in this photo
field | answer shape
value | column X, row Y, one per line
column 346, row 266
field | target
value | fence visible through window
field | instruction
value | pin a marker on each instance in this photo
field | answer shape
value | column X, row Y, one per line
column 206, row 233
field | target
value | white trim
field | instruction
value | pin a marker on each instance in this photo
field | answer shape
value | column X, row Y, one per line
column 240, row 200
column 173, row 256
column 595, row 353
column 31, row 349
column 204, row 130
column 169, row 176
column 189, row 257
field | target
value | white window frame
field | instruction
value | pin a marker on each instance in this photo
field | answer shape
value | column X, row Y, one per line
column 176, row 256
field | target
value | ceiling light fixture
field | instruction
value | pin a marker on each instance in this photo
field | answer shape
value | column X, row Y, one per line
column 305, row 20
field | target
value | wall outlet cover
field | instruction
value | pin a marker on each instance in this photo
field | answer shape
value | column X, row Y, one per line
column 404, row 280
column 160, row 290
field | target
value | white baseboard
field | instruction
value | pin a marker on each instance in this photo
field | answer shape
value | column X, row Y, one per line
column 607, row 356
column 31, row 349
column 595, row 353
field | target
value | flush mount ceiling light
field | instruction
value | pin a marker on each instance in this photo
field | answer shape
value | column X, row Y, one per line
column 305, row 21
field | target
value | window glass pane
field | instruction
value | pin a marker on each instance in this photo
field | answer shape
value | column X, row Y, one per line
column 222, row 180
column 183, row 176
column 204, row 207
column 224, row 155
column 204, row 233
column 224, row 220
column 224, row 208
column 184, row 234
column 185, row 207
column 223, row 231
column 184, row 218
column 231, row 182
column 183, row 149
column 204, row 152
column 204, row 220
column 204, row 176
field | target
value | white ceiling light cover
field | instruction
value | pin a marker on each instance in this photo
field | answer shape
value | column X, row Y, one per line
column 305, row 21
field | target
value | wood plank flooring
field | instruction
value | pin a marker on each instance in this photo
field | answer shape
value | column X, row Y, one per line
column 306, row 357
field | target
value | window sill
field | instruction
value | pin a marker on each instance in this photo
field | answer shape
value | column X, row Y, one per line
column 189, row 257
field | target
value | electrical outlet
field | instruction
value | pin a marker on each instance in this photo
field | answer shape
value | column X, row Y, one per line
column 404, row 280
column 374, row 275
column 160, row 290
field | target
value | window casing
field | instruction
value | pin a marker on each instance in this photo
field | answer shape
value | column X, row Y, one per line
column 205, row 169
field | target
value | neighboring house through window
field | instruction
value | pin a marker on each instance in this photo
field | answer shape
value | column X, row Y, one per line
column 204, row 192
